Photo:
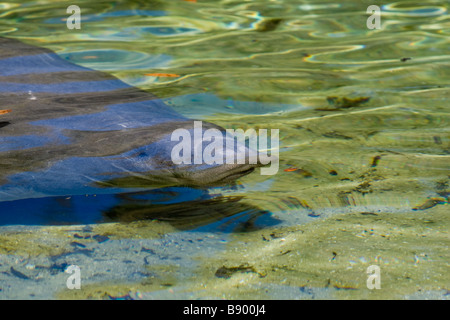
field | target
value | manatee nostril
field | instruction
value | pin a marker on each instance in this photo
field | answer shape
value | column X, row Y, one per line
column 247, row 171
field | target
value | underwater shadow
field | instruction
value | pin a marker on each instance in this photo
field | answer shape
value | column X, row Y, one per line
column 184, row 208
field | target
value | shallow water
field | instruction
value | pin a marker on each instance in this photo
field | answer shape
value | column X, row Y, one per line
column 364, row 153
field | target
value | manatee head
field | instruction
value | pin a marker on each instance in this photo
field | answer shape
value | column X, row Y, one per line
column 186, row 153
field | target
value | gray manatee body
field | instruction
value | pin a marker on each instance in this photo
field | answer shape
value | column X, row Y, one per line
column 70, row 130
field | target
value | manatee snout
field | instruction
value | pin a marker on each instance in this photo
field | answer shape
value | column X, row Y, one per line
column 206, row 156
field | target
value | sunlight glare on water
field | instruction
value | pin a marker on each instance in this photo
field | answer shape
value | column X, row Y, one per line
column 364, row 146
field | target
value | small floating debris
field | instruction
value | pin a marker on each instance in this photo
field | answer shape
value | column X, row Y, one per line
column 124, row 297
column 312, row 214
column 334, row 256
column 77, row 244
column 167, row 75
column 375, row 161
column 274, row 235
column 437, row 139
column 302, row 172
column 405, row 59
column 100, row 238
column 339, row 103
column 18, row 274
column 285, row 252
column 268, row 24
column 430, row 203
column 364, row 188
column 344, row 287
column 368, row 214
column 5, row 111
column 227, row 272
column 305, row 173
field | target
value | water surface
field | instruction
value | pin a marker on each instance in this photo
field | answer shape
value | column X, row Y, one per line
column 364, row 153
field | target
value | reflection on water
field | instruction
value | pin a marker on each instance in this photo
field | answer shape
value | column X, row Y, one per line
column 116, row 59
column 183, row 208
column 363, row 116
column 220, row 213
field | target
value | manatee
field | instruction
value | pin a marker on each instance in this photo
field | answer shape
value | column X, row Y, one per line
column 68, row 130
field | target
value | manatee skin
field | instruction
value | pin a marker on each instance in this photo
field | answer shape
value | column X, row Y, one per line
column 70, row 130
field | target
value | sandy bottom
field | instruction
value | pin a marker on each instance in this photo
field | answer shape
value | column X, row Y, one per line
column 324, row 259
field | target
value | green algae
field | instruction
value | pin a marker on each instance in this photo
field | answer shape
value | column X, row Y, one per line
column 375, row 160
column 411, row 250
column 388, row 156
column 45, row 241
column 56, row 240
column 160, row 278
column 145, row 229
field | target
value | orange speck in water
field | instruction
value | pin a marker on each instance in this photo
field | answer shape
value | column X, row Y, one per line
column 90, row 57
column 4, row 111
column 291, row 169
column 169, row 75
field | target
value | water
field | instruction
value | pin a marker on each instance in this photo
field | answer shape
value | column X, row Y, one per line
column 364, row 153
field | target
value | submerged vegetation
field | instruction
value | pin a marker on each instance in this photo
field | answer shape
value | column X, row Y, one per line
column 364, row 152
